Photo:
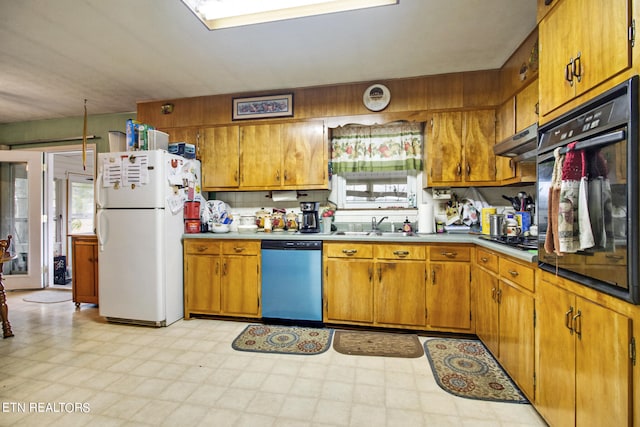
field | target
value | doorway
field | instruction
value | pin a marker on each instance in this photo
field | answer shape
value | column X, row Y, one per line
column 69, row 209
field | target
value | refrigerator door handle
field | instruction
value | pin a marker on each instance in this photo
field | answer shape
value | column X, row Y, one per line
column 96, row 189
column 99, row 232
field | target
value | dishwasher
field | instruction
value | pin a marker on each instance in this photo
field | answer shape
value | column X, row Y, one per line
column 292, row 279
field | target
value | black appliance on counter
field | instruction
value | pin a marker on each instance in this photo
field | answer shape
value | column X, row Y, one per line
column 605, row 153
column 310, row 219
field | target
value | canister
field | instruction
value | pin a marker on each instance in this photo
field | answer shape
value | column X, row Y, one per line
column 496, row 225
column 485, row 213
column 191, row 210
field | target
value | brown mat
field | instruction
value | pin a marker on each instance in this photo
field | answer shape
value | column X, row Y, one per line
column 364, row 343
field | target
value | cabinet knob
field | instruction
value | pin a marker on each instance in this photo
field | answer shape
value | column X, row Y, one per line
column 238, row 249
column 484, row 259
column 513, row 273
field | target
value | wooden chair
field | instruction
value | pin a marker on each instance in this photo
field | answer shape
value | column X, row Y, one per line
column 5, row 256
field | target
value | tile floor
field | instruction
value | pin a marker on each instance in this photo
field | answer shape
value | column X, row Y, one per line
column 67, row 367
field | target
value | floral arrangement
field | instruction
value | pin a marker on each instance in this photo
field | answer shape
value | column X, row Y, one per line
column 328, row 213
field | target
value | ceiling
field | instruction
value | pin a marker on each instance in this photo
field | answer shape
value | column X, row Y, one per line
column 114, row 53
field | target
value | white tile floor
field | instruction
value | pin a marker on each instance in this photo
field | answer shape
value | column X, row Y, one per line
column 83, row 371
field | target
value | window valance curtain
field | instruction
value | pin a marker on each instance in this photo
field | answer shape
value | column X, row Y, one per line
column 379, row 148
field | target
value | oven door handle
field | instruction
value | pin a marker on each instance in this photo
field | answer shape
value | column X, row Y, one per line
column 598, row 141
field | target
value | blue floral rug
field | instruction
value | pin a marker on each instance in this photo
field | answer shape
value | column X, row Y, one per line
column 465, row 368
column 283, row 339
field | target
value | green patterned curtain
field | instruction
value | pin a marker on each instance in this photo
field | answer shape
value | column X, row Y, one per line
column 379, row 148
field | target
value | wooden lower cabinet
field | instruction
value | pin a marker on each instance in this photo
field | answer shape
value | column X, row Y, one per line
column 222, row 277
column 84, row 274
column 505, row 314
column 449, row 288
column 376, row 285
column 584, row 366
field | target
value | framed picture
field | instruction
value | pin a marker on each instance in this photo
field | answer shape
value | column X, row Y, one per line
column 262, row 107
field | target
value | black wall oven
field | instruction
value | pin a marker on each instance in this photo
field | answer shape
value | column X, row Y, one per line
column 588, row 189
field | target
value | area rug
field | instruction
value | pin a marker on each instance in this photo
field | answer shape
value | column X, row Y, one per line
column 365, row 343
column 283, row 339
column 48, row 297
column 465, row 368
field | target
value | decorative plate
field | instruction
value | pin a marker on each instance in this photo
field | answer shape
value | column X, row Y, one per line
column 376, row 97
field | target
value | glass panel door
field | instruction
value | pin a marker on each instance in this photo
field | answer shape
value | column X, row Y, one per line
column 21, row 217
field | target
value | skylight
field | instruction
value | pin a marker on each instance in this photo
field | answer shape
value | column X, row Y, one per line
column 216, row 14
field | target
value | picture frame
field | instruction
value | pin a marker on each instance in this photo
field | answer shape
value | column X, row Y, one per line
column 262, row 107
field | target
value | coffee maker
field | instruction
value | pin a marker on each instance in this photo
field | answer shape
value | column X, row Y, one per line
column 310, row 220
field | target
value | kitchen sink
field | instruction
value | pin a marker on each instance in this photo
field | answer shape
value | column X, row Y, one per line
column 374, row 233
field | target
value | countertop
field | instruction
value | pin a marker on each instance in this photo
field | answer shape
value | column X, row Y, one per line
column 528, row 256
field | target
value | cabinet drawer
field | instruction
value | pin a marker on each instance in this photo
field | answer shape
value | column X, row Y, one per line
column 201, row 246
column 348, row 250
column 487, row 259
column 450, row 253
column 241, row 247
column 518, row 273
column 399, row 252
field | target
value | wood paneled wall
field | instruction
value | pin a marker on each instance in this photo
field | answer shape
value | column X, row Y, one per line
column 339, row 104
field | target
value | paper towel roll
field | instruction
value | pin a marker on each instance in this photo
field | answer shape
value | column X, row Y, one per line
column 425, row 219
column 284, row 195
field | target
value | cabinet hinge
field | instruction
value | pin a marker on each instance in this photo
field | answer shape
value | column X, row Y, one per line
column 632, row 351
column 632, row 33
column 535, row 383
column 534, row 318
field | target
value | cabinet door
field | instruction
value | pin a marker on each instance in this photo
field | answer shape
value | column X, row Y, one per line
column 603, row 366
column 219, row 153
column 348, row 290
column 85, row 278
column 202, row 284
column 260, row 156
column 556, row 48
column 240, row 283
column 605, row 52
column 449, row 296
column 400, row 293
column 486, row 314
column 479, row 137
column 305, row 155
column 556, row 381
column 517, row 336
column 527, row 107
column 444, row 148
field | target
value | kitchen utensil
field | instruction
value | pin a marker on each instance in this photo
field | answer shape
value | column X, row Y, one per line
column 515, row 202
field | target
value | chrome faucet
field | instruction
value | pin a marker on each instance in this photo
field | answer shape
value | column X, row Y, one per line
column 375, row 224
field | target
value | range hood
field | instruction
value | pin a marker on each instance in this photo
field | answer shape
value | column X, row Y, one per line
column 521, row 147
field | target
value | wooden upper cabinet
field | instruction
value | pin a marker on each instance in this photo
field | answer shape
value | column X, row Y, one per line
column 264, row 157
column 444, row 143
column 573, row 57
column 219, row 153
column 460, row 148
column 526, row 107
column 260, row 156
column 304, row 155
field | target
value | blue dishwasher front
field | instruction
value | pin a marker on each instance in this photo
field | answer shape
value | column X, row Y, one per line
column 292, row 279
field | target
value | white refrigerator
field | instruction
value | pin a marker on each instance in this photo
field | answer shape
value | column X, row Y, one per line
column 140, row 197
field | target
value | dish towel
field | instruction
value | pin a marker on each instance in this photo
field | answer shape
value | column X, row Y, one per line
column 552, row 242
column 584, row 222
column 568, row 225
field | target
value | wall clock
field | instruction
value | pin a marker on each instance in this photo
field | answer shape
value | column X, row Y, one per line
column 376, row 97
